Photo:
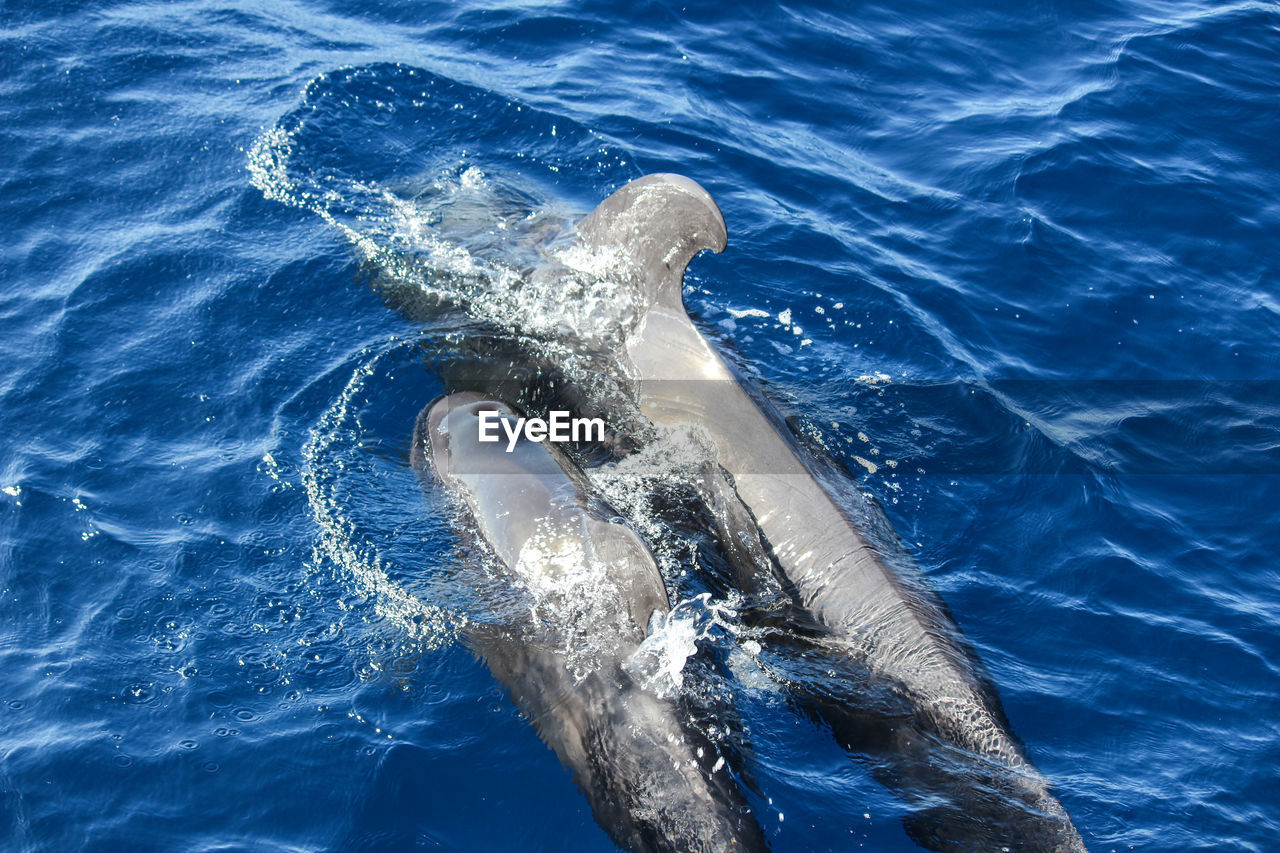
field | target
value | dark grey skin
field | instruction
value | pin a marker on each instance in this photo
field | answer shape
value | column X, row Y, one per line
column 654, row 783
column 919, row 706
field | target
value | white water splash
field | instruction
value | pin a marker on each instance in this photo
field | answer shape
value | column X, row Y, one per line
column 660, row 661
column 430, row 625
column 573, row 597
column 463, row 239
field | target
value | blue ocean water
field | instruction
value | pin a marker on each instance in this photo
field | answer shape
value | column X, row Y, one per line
column 1014, row 265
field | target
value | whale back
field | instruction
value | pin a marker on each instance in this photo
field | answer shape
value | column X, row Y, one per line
column 844, row 569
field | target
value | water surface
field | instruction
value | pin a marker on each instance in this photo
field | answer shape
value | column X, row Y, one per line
column 1013, row 266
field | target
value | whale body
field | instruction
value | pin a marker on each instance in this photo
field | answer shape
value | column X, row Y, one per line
column 653, row 782
column 944, row 742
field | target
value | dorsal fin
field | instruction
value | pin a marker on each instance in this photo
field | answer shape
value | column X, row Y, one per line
column 655, row 224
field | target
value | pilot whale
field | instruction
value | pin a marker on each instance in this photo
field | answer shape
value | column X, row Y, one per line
column 946, row 746
column 653, row 782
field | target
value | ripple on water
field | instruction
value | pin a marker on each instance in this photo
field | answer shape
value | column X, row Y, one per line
column 206, row 410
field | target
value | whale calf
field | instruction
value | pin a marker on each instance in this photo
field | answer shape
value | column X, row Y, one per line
column 945, row 743
column 653, row 782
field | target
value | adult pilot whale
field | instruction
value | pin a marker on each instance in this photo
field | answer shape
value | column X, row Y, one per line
column 653, row 782
column 947, row 746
